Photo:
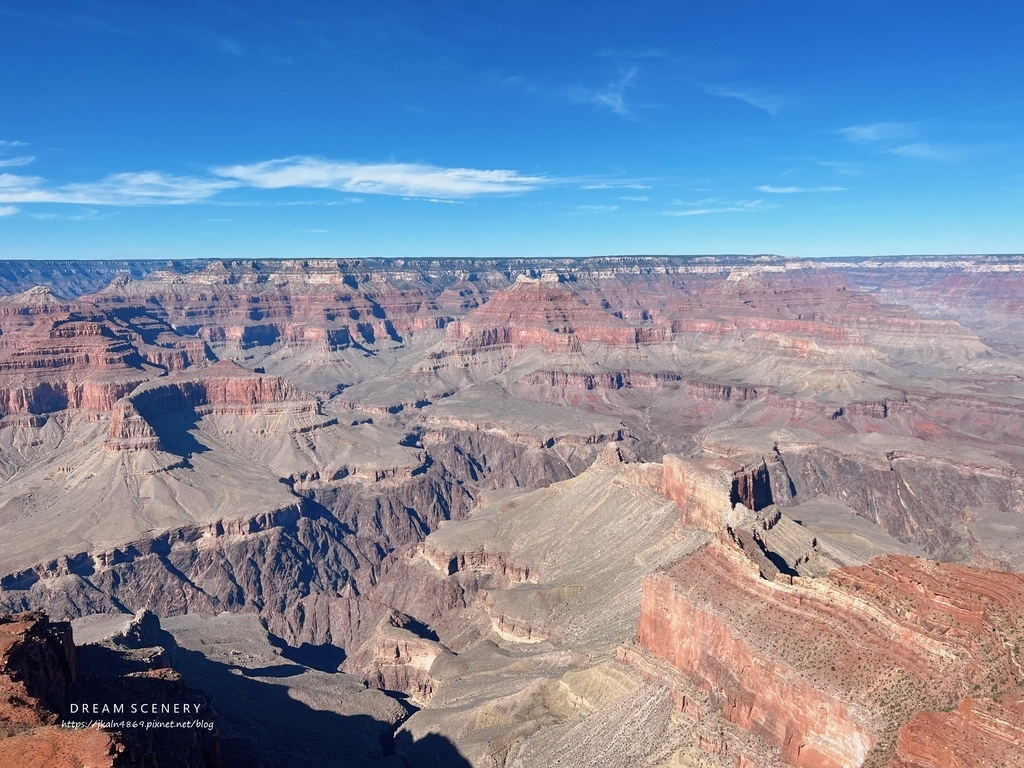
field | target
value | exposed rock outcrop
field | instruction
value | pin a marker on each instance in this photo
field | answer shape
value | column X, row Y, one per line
column 845, row 660
column 357, row 405
column 37, row 671
column 979, row 732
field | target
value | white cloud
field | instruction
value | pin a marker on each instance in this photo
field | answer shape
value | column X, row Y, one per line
column 767, row 102
column 794, row 190
column 87, row 214
column 8, row 210
column 13, row 143
column 864, row 134
column 615, row 185
column 635, row 198
column 145, row 188
column 924, row 151
column 714, row 206
column 14, row 181
column 612, row 96
column 400, row 179
column 597, row 208
column 16, row 162
column 898, row 133
column 155, row 188
column 639, row 53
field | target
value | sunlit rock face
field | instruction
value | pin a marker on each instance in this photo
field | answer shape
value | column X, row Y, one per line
column 619, row 486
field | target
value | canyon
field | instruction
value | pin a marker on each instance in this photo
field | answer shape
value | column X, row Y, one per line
column 627, row 511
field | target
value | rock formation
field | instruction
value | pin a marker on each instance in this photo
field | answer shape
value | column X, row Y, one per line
column 846, row 658
column 45, row 681
column 437, row 474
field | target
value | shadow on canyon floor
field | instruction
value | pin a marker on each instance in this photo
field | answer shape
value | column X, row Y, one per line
column 325, row 657
column 177, row 431
column 261, row 725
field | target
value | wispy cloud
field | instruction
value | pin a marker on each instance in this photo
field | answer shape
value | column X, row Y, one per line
column 12, row 183
column 871, row 132
column 795, row 190
column 8, row 210
column 87, row 214
column 95, row 23
column 899, row 134
column 400, row 179
column 16, row 162
column 597, row 208
column 13, row 143
column 635, row 198
column 311, row 231
column 154, row 188
column 616, row 185
column 612, row 96
column 946, row 153
column 840, row 167
column 146, row 188
column 73, row 21
column 713, row 205
column 767, row 102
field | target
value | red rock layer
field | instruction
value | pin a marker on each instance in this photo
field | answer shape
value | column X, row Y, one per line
column 549, row 315
column 323, row 304
column 37, row 662
column 628, row 379
column 683, row 621
column 54, row 747
column 829, row 669
column 984, row 293
column 978, row 734
column 224, row 384
column 708, row 490
column 56, row 355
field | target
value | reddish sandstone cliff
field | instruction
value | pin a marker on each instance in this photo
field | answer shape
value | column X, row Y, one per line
column 548, row 314
column 829, row 669
column 37, row 668
column 979, row 733
column 222, row 386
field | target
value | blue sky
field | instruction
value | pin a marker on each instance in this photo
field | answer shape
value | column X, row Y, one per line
column 450, row 128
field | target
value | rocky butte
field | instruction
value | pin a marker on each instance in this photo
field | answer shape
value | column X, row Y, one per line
column 628, row 511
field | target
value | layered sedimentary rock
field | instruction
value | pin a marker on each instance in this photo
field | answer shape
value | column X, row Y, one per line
column 403, row 657
column 38, row 664
column 547, row 313
column 224, row 387
column 979, row 732
column 846, row 658
column 844, row 661
column 980, row 292
column 278, row 438
column 56, row 355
